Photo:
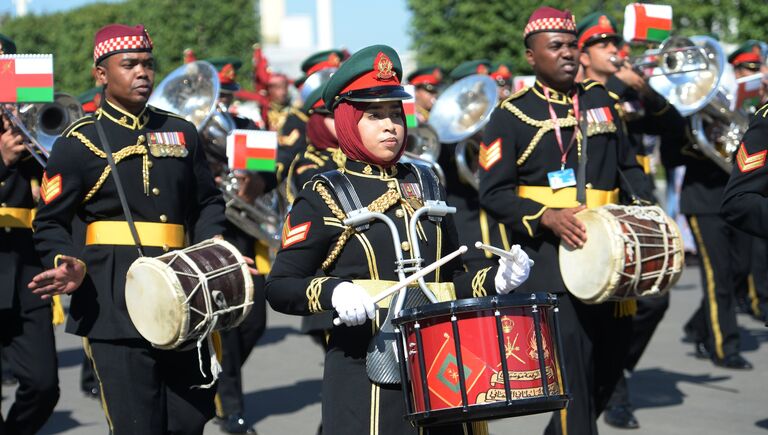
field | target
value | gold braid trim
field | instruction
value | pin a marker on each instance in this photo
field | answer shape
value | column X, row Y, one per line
column 118, row 156
column 339, row 157
column 543, row 126
column 379, row 205
column 314, row 158
column 313, row 294
column 87, row 142
column 478, row 280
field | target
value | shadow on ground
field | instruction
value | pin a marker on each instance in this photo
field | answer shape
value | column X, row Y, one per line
column 60, row 421
column 281, row 400
column 276, row 335
column 656, row 387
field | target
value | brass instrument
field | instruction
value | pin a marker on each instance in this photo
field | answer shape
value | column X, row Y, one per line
column 700, row 96
column 422, row 145
column 192, row 91
column 675, row 55
column 314, row 81
column 459, row 115
column 41, row 124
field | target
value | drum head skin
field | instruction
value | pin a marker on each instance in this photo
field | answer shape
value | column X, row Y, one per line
column 155, row 302
column 591, row 271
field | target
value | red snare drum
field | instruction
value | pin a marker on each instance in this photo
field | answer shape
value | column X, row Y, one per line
column 473, row 334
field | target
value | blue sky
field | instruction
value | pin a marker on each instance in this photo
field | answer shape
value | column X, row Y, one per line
column 357, row 24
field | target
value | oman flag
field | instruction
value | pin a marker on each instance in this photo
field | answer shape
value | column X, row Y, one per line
column 644, row 22
column 26, row 78
column 409, row 107
column 747, row 92
column 252, row 150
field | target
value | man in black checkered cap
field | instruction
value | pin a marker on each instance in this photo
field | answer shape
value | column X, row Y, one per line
column 172, row 197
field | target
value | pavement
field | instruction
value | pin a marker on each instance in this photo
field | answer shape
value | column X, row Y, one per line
column 673, row 392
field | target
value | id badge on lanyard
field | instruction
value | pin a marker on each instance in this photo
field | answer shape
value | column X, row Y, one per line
column 565, row 177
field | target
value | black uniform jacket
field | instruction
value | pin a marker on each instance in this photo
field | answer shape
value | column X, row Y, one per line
column 18, row 259
column 173, row 187
column 309, row 163
column 298, row 284
column 744, row 201
column 519, row 150
column 292, row 140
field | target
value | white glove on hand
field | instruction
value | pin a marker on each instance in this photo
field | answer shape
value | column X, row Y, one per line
column 512, row 272
column 353, row 304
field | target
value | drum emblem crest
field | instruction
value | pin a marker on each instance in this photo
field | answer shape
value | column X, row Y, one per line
column 533, row 351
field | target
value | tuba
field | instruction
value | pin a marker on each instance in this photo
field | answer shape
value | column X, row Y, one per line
column 423, row 146
column 459, row 115
column 192, row 92
column 700, row 95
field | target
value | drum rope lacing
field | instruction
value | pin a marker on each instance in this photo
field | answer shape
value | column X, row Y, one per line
column 210, row 318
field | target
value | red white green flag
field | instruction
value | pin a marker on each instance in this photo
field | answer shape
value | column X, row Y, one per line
column 409, row 106
column 252, row 150
column 645, row 22
column 748, row 92
column 26, row 78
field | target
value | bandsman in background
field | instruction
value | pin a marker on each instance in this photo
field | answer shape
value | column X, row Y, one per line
column 724, row 250
column 169, row 189
column 26, row 332
column 427, row 81
column 502, row 73
column 279, row 101
column 320, row 257
column 644, row 112
column 531, row 155
column 237, row 343
column 469, row 67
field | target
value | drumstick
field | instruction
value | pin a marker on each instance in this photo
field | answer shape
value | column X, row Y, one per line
column 412, row 278
column 500, row 252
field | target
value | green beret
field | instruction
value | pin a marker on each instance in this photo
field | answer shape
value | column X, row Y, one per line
column 748, row 54
column 227, row 68
column 7, row 46
column 596, row 27
column 429, row 77
column 370, row 75
column 481, row 66
column 313, row 99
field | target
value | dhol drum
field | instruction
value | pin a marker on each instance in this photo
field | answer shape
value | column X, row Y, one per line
column 631, row 252
column 184, row 295
column 507, row 347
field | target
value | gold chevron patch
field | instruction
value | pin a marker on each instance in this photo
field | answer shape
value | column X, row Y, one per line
column 293, row 235
column 50, row 188
column 490, row 155
column 749, row 162
column 289, row 139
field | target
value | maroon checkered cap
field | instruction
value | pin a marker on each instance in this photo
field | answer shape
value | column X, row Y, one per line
column 119, row 38
column 547, row 19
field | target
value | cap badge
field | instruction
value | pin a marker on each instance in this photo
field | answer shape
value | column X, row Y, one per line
column 603, row 21
column 333, row 59
column 438, row 75
column 384, row 67
column 482, row 69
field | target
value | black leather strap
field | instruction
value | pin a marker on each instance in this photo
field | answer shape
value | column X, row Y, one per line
column 344, row 191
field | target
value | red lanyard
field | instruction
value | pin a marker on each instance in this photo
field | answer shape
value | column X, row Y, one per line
column 556, row 122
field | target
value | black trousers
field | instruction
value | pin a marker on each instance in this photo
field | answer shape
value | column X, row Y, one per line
column 757, row 288
column 30, row 350
column 236, row 346
column 595, row 343
column 147, row 391
column 714, row 322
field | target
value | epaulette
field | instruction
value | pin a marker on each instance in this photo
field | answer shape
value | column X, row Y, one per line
column 588, row 84
column 299, row 114
column 516, row 95
column 614, row 95
column 315, row 156
column 85, row 120
column 165, row 112
column 762, row 111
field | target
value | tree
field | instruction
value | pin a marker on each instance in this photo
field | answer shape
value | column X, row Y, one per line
column 447, row 32
column 210, row 27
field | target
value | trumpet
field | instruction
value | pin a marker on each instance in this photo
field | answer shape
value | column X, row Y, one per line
column 676, row 55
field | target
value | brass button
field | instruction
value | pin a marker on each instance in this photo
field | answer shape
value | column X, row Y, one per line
column 2, row 183
column 7, row 229
column 150, row 164
column 2, row 204
column 588, row 186
column 166, row 248
column 399, row 212
column 163, row 218
column 155, row 191
column 391, row 184
column 405, row 246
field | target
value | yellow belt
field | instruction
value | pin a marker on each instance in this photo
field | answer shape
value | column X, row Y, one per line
column 645, row 162
column 443, row 291
column 566, row 197
column 150, row 234
column 14, row 217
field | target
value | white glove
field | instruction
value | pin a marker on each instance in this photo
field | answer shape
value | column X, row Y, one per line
column 353, row 304
column 512, row 272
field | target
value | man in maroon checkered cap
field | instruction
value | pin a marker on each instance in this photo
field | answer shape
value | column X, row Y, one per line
column 171, row 196
column 529, row 162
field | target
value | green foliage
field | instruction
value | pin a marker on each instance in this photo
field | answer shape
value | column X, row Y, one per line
column 447, row 32
column 210, row 27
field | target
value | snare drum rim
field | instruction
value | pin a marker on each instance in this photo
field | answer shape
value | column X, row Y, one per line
column 465, row 305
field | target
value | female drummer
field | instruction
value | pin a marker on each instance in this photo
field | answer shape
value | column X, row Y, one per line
column 325, row 265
